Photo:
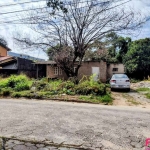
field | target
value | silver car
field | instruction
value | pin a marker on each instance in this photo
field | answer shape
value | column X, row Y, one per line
column 120, row 81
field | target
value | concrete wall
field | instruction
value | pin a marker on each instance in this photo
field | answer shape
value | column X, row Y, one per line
column 111, row 71
column 85, row 70
column 50, row 72
column 3, row 51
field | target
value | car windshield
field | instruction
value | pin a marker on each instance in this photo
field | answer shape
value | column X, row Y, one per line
column 120, row 76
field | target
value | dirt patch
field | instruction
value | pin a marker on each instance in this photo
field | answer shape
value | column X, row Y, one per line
column 132, row 98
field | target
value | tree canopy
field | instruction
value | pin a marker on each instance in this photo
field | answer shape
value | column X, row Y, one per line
column 137, row 59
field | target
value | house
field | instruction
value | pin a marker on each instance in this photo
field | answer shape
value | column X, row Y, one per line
column 4, row 50
column 99, row 68
column 15, row 65
column 113, row 68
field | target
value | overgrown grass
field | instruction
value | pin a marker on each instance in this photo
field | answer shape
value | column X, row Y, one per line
column 143, row 89
column 148, row 95
column 97, row 99
column 18, row 86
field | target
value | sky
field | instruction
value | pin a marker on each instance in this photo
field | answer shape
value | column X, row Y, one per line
column 8, row 30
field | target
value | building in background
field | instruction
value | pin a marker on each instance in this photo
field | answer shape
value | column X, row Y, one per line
column 24, row 56
column 13, row 63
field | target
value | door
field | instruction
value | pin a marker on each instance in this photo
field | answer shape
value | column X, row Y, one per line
column 96, row 72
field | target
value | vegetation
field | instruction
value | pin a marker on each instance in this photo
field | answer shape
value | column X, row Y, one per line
column 143, row 89
column 87, row 90
column 148, row 95
column 107, row 99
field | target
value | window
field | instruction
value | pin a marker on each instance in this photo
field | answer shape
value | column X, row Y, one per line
column 115, row 69
column 57, row 71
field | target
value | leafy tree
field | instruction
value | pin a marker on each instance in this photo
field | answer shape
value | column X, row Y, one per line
column 117, row 47
column 137, row 58
column 56, row 5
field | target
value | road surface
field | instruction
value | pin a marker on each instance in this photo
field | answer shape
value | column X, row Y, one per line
column 87, row 126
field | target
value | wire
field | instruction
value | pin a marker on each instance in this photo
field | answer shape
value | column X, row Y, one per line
column 21, row 10
column 21, row 3
column 39, row 16
column 48, row 7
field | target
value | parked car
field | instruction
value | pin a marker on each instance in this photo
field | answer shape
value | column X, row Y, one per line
column 120, row 81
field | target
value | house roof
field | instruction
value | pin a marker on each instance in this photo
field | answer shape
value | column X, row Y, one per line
column 45, row 62
column 7, row 48
column 6, row 59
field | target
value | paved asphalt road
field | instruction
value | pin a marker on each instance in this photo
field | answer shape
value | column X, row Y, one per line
column 86, row 125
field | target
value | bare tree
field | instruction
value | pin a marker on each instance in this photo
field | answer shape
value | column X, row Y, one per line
column 75, row 30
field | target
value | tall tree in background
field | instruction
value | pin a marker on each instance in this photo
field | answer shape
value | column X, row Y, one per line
column 111, row 49
column 74, row 30
column 137, row 59
column 117, row 47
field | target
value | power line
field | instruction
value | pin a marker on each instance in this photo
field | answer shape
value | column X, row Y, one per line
column 20, row 3
column 38, row 16
column 48, row 7
column 21, row 10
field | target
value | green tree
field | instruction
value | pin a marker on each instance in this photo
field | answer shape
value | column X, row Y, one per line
column 56, row 5
column 117, row 47
column 137, row 59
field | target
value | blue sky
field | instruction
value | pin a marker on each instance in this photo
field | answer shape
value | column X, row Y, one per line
column 8, row 30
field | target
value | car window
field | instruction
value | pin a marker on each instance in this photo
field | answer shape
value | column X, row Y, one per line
column 120, row 76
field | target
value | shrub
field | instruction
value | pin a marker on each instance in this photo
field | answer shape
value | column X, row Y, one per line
column 66, row 87
column 106, row 99
column 40, row 85
column 6, row 91
column 4, row 83
column 18, row 83
column 21, row 86
column 21, row 94
column 88, row 87
column 54, row 85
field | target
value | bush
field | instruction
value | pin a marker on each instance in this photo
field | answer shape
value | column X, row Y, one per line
column 18, row 83
column 66, row 87
column 5, row 91
column 88, row 87
column 4, row 83
column 106, row 99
